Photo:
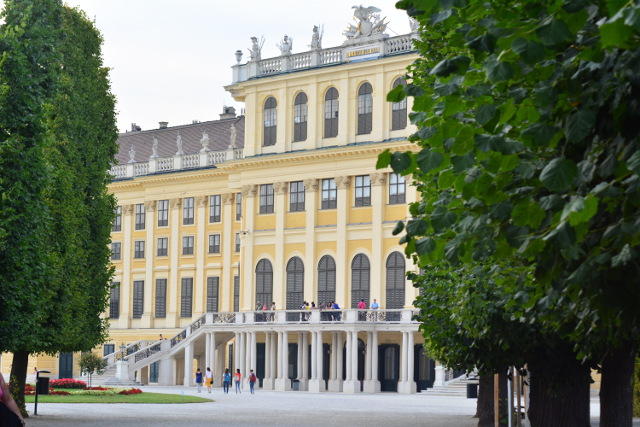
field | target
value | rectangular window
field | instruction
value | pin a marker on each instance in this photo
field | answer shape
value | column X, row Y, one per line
column 186, row 300
column 116, row 248
column 397, row 189
column 138, row 298
column 214, row 243
column 237, row 242
column 266, row 198
column 187, row 211
column 329, row 194
column 114, row 301
column 213, row 292
column 236, row 293
column 163, row 246
column 215, row 208
column 161, row 298
column 117, row 220
column 163, row 213
column 296, row 196
column 138, row 249
column 238, row 206
column 363, row 190
column 140, row 216
column 187, row 245
column 109, row 349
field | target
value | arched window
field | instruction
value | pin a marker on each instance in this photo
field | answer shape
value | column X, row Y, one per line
column 270, row 121
column 326, row 280
column 295, row 283
column 300, row 118
column 395, row 281
column 331, row 113
column 264, row 282
column 360, row 279
column 365, row 108
column 399, row 109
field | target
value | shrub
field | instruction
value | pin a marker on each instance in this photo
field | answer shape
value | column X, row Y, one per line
column 131, row 391
column 67, row 383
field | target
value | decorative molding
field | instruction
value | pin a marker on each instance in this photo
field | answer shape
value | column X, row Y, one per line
column 249, row 190
column 311, row 184
column 175, row 203
column 342, row 182
column 227, row 198
column 280, row 187
column 378, row 178
column 150, row 205
column 201, row 201
column 127, row 209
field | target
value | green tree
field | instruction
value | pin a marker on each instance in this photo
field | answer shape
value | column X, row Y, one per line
column 68, row 173
column 92, row 364
column 529, row 127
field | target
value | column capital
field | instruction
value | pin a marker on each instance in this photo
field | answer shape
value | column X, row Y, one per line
column 201, row 200
column 311, row 184
column 249, row 190
column 150, row 205
column 227, row 198
column 280, row 187
column 378, row 178
column 127, row 209
column 343, row 182
column 175, row 203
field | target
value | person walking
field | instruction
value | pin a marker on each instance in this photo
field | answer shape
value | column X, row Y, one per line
column 227, row 381
column 238, row 379
column 252, row 381
column 209, row 379
column 199, row 380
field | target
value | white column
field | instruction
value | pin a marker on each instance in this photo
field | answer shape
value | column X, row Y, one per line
column 274, row 358
column 200, row 245
column 372, row 385
column 188, row 365
column 378, row 203
column 267, row 382
column 305, row 362
column 173, row 284
column 126, row 284
column 279, row 295
column 236, row 350
column 247, row 359
column 406, row 385
column 343, row 185
column 212, row 360
column 340, row 358
column 227, row 240
column 246, row 277
column 282, row 382
column 207, row 353
column 254, row 352
column 367, row 358
column 311, row 196
column 335, row 378
column 147, row 317
column 316, row 384
column 351, row 384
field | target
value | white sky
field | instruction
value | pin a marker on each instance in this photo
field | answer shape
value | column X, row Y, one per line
column 171, row 58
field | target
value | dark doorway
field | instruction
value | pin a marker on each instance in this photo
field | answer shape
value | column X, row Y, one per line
column 389, row 366
column 424, row 369
column 153, row 372
column 326, row 364
column 65, row 367
column 260, row 362
column 292, row 370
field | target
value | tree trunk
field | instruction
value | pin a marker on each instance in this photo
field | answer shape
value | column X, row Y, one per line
column 18, row 378
column 559, row 385
column 485, row 409
column 616, row 388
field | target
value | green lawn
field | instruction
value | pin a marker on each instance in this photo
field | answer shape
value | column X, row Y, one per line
column 119, row 398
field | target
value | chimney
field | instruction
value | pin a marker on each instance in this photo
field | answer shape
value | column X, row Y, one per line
column 163, row 125
column 228, row 113
column 135, row 127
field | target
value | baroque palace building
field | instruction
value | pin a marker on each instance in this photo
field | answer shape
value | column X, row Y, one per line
column 218, row 220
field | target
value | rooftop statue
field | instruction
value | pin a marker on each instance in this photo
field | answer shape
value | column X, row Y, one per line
column 179, row 144
column 154, row 148
column 316, row 38
column 233, row 135
column 369, row 23
column 132, row 154
column 286, row 45
column 255, row 49
column 205, row 142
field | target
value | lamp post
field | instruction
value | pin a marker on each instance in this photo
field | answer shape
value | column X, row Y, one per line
column 35, row 406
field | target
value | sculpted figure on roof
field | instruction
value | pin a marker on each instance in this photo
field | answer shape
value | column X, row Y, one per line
column 255, row 49
column 179, row 144
column 132, row 154
column 286, row 45
column 316, row 38
column 369, row 22
column 154, row 148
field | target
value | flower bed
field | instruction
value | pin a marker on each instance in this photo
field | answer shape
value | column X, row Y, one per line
column 30, row 390
column 67, row 383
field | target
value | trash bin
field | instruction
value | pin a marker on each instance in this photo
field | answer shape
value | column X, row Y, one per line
column 42, row 385
column 472, row 391
column 296, row 385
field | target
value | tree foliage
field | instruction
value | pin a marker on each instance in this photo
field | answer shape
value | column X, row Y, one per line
column 57, row 140
column 529, row 160
column 92, row 364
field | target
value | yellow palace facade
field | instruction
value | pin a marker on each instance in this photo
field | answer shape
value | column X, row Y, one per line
column 233, row 236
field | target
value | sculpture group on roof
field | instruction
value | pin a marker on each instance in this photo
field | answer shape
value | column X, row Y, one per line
column 369, row 23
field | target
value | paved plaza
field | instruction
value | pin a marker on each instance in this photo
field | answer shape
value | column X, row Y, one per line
column 272, row 408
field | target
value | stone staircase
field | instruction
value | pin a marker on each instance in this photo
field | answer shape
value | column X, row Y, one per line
column 454, row 388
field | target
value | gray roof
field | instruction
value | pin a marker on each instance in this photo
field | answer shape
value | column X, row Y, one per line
column 218, row 130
